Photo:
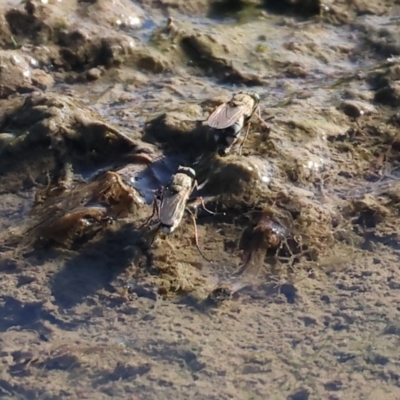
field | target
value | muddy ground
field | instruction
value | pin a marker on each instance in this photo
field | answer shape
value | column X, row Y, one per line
column 100, row 102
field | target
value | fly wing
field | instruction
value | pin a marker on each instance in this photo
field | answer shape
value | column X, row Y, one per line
column 226, row 115
column 172, row 206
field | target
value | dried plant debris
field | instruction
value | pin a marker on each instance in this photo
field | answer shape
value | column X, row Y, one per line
column 272, row 225
column 66, row 214
column 265, row 233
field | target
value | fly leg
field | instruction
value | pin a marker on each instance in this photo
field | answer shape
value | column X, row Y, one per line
column 200, row 199
column 204, row 206
column 258, row 115
column 248, row 128
column 196, row 237
column 153, row 233
column 155, row 211
column 245, row 137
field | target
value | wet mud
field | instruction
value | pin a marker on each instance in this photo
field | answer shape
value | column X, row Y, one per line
column 269, row 270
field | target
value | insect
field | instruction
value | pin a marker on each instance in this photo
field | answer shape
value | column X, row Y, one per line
column 174, row 198
column 228, row 119
column 170, row 203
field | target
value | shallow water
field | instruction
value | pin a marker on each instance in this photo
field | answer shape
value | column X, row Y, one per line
column 106, row 319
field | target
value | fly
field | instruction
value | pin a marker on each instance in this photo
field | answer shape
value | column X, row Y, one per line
column 228, row 119
column 174, row 198
column 170, row 204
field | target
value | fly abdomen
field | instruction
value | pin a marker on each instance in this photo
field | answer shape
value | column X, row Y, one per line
column 167, row 228
column 226, row 138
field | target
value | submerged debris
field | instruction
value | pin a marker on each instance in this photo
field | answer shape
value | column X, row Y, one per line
column 225, row 291
column 70, row 213
column 267, row 233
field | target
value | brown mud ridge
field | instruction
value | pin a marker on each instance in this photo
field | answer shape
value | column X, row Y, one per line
column 293, row 290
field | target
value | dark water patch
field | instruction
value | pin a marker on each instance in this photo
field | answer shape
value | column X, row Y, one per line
column 124, row 373
column 220, row 10
column 300, row 394
column 27, row 315
column 371, row 239
column 95, row 266
column 16, row 391
column 245, row 10
column 181, row 354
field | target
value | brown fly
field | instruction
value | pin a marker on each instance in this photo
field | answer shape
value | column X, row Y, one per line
column 170, row 204
column 228, row 119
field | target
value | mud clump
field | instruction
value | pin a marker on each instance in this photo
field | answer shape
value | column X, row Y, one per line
column 177, row 133
column 389, row 95
column 63, row 123
column 95, row 38
column 386, row 83
column 17, row 74
column 384, row 41
column 233, row 178
column 207, row 54
column 370, row 211
column 79, row 53
column 356, row 109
